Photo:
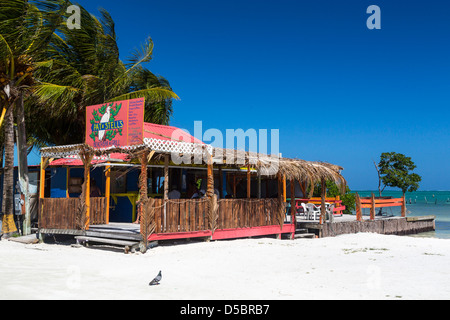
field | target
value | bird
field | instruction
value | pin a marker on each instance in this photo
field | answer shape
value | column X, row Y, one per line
column 156, row 280
column 105, row 119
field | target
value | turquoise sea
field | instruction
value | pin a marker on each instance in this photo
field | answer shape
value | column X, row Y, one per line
column 422, row 203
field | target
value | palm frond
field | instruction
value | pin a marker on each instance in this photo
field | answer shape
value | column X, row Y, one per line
column 55, row 96
column 140, row 56
column 151, row 94
column 6, row 55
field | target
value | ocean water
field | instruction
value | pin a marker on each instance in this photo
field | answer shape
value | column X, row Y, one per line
column 422, row 203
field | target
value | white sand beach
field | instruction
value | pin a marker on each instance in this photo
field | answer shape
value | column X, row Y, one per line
column 357, row 266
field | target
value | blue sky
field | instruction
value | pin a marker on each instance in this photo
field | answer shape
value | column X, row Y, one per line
column 337, row 91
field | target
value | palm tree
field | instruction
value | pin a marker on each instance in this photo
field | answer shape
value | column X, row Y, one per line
column 83, row 68
column 24, row 30
column 56, row 72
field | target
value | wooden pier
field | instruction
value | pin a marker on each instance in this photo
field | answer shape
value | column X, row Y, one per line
column 384, row 225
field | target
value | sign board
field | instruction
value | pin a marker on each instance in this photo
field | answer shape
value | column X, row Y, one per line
column 118, row 124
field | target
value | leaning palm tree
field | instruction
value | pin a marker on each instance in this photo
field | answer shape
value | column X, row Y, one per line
column 24, row 31
column 83, row 68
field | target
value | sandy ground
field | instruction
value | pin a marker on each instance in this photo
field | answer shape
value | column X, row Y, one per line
column 358, row 266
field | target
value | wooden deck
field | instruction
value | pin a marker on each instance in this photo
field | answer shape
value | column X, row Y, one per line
column 131, row 231
column 122, row 231
column 382, row 225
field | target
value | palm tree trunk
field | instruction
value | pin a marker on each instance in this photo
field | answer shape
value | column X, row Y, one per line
column 8, row 179
column 22, row 152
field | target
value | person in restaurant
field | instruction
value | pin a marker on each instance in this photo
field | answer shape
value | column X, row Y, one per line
column 95, row 190
column 174, row 194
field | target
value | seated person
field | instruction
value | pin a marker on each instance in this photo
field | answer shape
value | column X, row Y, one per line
column 198, row 194
column 95, row 190
column 174, row 194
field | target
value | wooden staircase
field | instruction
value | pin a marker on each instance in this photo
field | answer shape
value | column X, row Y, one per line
column 303, row 233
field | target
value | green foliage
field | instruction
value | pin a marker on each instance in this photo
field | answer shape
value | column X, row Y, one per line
column 115, row 111
column 349, row 201
column 96, row 116
column 396, row 171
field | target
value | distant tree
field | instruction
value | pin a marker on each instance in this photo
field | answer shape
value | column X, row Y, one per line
column 395, row 170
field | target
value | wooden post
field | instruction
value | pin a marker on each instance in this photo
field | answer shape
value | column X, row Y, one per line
column 284, row 188
column 323, row 207
column 143, row 197
column 143, row 178
column 249, row 182
column 293, row 210
column 234, row 185
column 107, row 190
column 403, row 206
column 311, row 189
column 281, row 203
column 210, row 178
column 86, row 158
column 44, row 162
column 41, row 191
column 358, row 207
column 166, row 187
column 166, row 176
column 338, row 198
column 372, row 208
column 88, row 195
column 67, row 181
column 212, row 204
column 303, row 188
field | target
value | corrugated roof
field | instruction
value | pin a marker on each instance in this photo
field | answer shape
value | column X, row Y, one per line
column 158, row 131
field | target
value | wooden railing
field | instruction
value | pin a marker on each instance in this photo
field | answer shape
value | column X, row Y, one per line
column 373, row 202
column 246, row 213
column 60, row 213
column 187, row 215
column 98, row 214
column 180, row 215
column 338, row 207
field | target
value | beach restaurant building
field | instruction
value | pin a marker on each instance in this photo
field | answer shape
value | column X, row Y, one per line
column 170, row 184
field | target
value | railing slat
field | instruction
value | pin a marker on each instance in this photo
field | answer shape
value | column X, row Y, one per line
column 60, row 213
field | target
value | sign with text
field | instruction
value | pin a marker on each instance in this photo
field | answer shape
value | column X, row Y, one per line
column 118, row 124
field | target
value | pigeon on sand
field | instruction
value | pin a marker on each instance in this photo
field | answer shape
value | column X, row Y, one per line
column 156, row 281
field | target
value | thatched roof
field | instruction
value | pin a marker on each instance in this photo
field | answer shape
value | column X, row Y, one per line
column 312, row 171
column 267, row 165
column 291, row 169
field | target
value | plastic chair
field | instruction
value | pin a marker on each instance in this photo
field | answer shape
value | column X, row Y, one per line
column 330, row 211
column 313, row 211
column 302, row 211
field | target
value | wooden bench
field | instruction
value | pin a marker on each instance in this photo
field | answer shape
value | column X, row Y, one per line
column 128, row 245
